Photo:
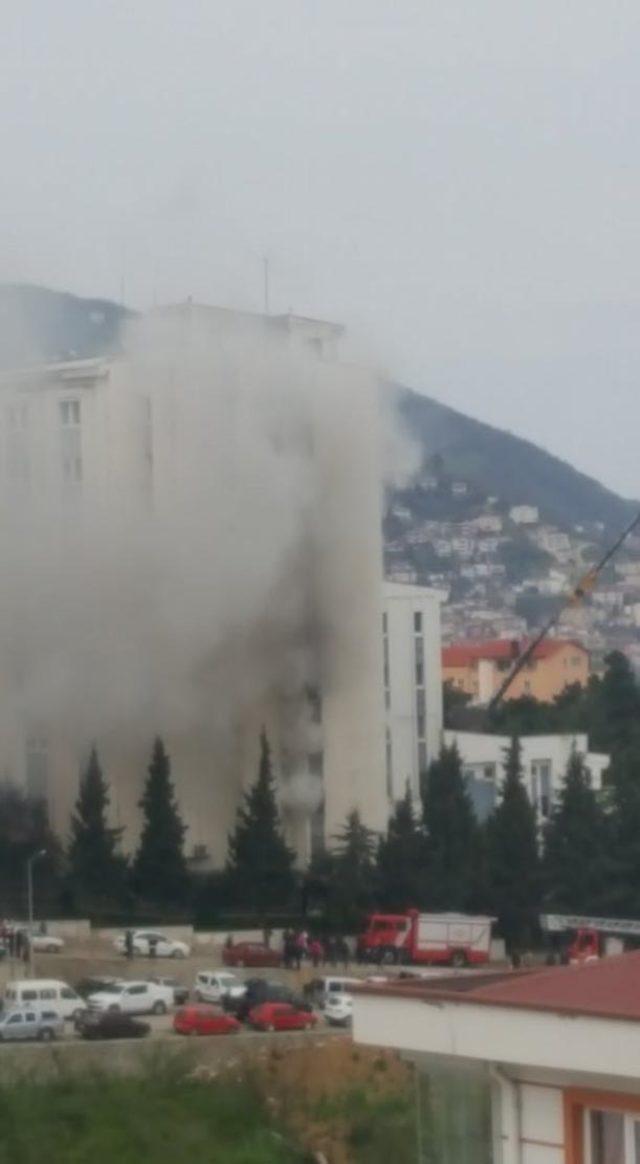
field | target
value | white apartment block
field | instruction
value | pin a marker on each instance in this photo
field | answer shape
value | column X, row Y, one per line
column 524, row 514
column 544, row 766
column 412, row 684
column 76, row 441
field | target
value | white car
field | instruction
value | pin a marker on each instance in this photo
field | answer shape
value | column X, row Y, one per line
column 145, row 940
column 338, row 1010
column 133, row 998
column 214, row 985
column 46, row 944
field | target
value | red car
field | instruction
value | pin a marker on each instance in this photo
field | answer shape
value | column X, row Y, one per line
column 251, row 954
column 281, row 1016
column 204, row 1020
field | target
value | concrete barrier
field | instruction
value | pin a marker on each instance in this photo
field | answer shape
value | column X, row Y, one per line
column 42, row 1061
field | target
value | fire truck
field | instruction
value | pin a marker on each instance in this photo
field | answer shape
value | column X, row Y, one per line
column 575, row 938
column 414, row 939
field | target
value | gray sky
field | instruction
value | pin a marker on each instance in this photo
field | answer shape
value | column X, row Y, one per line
column 457, row 181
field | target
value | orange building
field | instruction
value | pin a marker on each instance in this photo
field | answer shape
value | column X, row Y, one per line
column 478, row 669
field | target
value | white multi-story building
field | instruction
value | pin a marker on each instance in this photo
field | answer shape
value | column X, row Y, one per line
column 524, row 514
column 412, row 684
column 544, row 766
column 106, row 640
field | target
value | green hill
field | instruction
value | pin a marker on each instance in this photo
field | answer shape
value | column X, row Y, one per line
column 515, row 470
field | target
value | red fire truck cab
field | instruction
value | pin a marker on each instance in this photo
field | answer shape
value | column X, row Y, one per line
column 413, row 939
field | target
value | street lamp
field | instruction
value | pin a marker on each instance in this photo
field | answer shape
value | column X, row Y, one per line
column 30, row 863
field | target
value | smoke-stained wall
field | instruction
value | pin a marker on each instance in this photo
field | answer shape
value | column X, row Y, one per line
column 191, row 540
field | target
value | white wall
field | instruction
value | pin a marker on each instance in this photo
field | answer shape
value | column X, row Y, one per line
column 483, row 758
column 411, row 752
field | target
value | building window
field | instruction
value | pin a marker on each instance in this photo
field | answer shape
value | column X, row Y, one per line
column 387, row 699
column 389, row 763
column 36, row 767
column 541, row 786
column 387, row 672
column 417, row 621
column 385, row 623
column 419, row 649
column 17, row 416
column 421, row 714
column 422, row 758
column 314, row 700
column 69, row 413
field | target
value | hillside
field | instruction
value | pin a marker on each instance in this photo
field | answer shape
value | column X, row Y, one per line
column 513, row 469
column 40, row 324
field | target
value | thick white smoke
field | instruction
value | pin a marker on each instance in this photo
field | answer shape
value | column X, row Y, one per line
column 184, row 585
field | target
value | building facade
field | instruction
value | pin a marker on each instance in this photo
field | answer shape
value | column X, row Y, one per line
column 412, row 681
column 538, row 1067
column 479, row 668
column 544, row 766
column 107, row 638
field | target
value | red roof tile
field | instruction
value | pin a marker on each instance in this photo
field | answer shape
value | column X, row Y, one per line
column 463, row 654
column 609, row 988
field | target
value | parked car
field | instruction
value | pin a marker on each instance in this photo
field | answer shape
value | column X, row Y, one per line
column 44, row 992
column 46, row 943
column 251, row 954
column 94, row 984
column 133, row 998
column 146, row 940
column 216, row 985
column 338, row 1010
column 259, row 990
column 204, row 1020
column 321, row 991
column 111, row 1024
column 180, row 991
column 281, row 1016
column 31, row 1023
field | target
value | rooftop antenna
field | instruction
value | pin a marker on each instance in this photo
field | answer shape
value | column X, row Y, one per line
column 265, row 263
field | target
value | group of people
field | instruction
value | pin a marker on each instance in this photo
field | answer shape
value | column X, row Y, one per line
column 15, row 940
column 300, row 946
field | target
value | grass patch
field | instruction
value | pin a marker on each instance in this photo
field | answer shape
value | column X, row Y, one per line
column 159, row 1117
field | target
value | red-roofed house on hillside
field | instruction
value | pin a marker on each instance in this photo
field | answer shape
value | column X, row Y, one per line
column 531, row 1067
column 479, row 668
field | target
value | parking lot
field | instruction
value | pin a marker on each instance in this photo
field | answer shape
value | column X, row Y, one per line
column 82, row 959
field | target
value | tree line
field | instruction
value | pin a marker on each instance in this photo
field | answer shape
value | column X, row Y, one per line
column 434, row 855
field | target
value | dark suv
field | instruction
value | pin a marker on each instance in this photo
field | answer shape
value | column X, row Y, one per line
column 261, row 990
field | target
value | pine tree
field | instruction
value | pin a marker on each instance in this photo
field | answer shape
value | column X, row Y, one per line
column 623, row 885
column 354, row 881
column 160, row 872
column 24, row 830
column 260, row 863
column 576, row 869
column 615, row 723
column 402, row 858
column 452, row 834
column 96, row 870
column 512, row 856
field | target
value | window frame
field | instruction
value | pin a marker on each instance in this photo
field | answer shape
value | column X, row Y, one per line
column 577, row 1103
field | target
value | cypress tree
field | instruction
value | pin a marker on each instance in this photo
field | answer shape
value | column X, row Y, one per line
column 260, row 863
column 402, row 858
column 512, row 856
column 451, row 834
column 354, row 881
column 615, row 723
column 96, row 870
column 575, row 853
column 160, row 871
column 623, row 886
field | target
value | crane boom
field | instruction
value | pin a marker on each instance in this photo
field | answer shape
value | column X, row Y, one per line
column 578, row 594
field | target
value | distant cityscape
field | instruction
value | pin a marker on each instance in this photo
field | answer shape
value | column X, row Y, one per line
column 502, row 569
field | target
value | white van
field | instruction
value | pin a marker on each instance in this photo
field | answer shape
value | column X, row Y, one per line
column 47, row 992
column 323, row 990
